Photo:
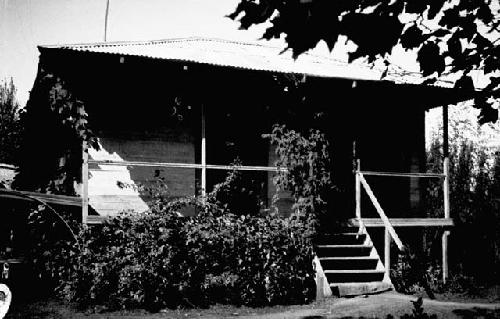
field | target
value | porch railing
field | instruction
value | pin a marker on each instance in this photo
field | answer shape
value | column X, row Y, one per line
column 390, row 232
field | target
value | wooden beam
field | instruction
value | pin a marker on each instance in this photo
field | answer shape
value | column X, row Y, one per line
column 203, row 153
column 62, row 200
column 387, row 253
column 445, row 131
column 190, row 166
column 358, row 189
column 95, row 219
column 406, row 222
column 381, row 213
column 396, row 174
column 446, row 192
column 444, row 251
column 85, row 183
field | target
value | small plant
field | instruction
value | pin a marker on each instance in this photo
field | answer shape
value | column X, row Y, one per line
column 418, row 311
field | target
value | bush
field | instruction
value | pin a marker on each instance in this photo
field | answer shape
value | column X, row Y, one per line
column 160, row 259
column 474, row 182
column 10, row 127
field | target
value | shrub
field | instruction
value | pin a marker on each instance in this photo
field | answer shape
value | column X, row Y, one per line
column 474, row 197
column 161, row 259
column 10, row 127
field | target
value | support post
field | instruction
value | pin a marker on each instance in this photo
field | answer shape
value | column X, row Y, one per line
column 203, row 154
column 446, row 192
column 106, row 14
column 387, row 253
column 358, row 189
column 85, row 183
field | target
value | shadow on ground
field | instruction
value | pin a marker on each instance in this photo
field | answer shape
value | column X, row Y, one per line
column 460, row 313
column 478, row 313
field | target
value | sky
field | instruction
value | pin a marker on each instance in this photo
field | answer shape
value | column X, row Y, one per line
column 24, row 24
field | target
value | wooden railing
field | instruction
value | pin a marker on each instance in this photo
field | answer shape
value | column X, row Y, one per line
column 390, row 232
column 380, row 211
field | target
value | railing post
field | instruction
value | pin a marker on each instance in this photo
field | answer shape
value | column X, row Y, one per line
column 85, row 182
column 203, row 154
column 387, row 253
column 446, row 193
column 358, row 189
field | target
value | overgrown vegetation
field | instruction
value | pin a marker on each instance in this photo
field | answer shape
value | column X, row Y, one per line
column 10, row 127
column 161, row 259
column 224, row 254
column 474, row 249
column 56, row 125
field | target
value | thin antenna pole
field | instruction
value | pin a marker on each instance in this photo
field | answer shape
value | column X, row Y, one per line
column 106, row 21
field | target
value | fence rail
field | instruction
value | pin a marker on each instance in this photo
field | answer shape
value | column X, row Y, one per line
column 398, row 174
column 190, row 166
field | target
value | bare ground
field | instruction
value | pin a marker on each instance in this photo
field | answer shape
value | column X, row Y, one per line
column 374, row 306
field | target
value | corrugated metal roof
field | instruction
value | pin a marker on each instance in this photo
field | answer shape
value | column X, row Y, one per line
column 252, row 56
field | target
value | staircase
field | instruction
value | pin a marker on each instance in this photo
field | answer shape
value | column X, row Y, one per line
column 349, row 263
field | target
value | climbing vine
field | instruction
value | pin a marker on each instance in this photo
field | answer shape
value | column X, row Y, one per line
column 56, row 125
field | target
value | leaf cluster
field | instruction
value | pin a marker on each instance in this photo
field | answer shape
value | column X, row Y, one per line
column 306, row 160
column 457, row 37
column 55, row 128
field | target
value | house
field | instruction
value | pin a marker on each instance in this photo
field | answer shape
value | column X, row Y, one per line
column 185, row 109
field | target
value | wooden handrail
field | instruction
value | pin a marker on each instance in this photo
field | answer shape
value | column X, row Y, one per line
column 400, row 174
column 190, row 165
column 381, row 212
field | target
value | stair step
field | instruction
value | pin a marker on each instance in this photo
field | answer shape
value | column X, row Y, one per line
column 359, row 288
column 349, row 262
column 342, row 239
column 343, row 250
column 354, row 275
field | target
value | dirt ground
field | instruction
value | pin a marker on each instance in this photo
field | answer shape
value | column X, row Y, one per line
column 374, row 306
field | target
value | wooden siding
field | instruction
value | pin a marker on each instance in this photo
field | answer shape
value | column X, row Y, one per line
column 113, row 188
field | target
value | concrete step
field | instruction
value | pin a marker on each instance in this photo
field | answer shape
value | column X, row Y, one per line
column 342, row 239
column 353, row 275
column 343, row 250
column 359, row 288
column 337, row 263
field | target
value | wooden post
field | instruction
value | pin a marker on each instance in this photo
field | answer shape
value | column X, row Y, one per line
column 85, row 182
column 446, row 193
column 106, row 14
column 203, row 154
column 358, row 189
column 387, row 253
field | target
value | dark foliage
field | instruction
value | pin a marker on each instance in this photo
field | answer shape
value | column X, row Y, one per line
column 462, row 39
column 160, row 259
column 10, row 127
column 474, row 254
column 306, row 163
column 56, row 127
column 475, row 207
